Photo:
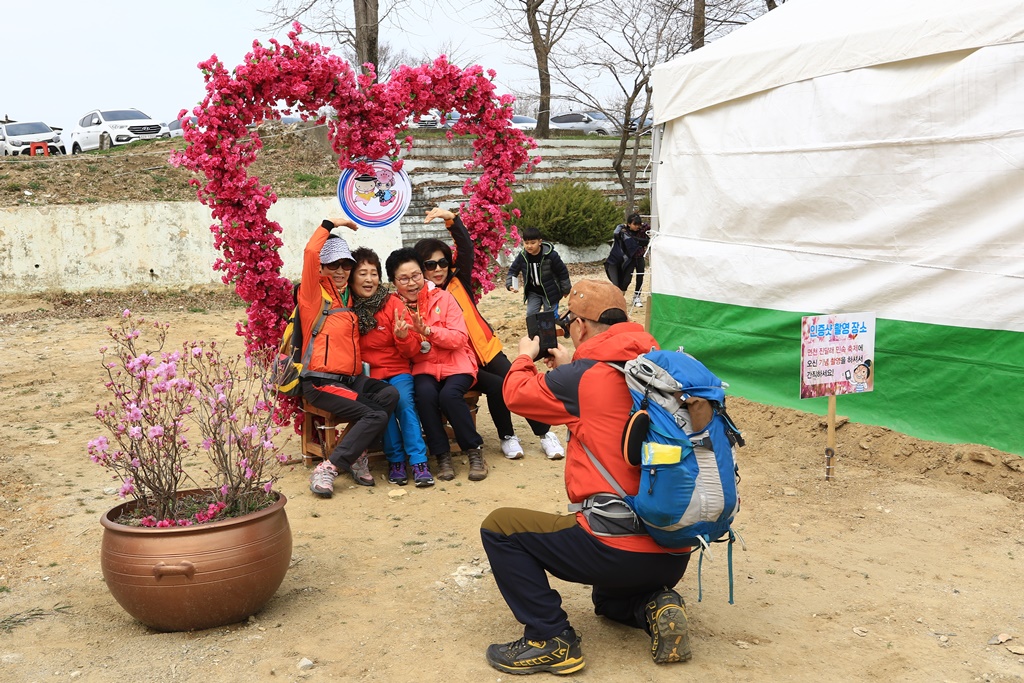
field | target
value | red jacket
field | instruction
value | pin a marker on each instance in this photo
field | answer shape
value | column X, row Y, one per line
column 387, row 354
column 591, row 398
column 336, row 347
column 450, row 352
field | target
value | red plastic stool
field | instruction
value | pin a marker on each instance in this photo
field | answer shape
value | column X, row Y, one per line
column 34, row 147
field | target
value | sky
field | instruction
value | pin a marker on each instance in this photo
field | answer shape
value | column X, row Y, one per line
column 75, row 56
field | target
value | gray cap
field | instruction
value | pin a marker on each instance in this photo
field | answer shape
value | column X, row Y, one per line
column 335, row 249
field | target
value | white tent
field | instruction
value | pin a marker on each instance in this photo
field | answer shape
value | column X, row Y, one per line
column 836, row 157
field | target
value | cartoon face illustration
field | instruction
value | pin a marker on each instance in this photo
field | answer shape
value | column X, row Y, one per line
column 363, row 187
column 385, row 181
column 861, row 373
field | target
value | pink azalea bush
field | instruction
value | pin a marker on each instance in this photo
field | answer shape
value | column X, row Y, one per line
column 160, row 400
column 366, row 122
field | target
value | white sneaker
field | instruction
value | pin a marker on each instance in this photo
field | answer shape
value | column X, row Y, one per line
column 637, row 301
column 552, row 446
column 511, row 447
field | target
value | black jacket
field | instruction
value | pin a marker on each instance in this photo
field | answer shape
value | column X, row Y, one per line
column 554, row 276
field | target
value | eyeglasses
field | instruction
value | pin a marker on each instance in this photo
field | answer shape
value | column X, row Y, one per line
column 406, row 279
column 567, row 320
column 434, row 265
column 340, row 263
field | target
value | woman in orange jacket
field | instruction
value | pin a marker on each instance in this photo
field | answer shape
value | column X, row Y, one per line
column 332, row 379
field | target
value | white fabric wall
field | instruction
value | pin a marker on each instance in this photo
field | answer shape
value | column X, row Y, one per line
column 895, row 189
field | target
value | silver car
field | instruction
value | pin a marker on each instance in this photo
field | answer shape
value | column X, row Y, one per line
column 592, row 122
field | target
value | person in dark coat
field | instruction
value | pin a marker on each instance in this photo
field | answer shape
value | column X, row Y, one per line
column 544, row 277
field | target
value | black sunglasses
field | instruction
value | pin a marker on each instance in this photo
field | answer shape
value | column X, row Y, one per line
column 434, row 265
column 340, row 263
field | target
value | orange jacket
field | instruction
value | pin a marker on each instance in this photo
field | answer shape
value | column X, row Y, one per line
column 387, row 354
column 591, row 398
column 336, row 347
column 485, row 343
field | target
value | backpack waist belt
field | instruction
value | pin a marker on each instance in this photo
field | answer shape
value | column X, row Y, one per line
column 344, row 379
column 608, row 515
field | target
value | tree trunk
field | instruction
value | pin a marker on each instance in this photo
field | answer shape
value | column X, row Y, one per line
column 699, row 27
column 540, row 49
column 367, row 22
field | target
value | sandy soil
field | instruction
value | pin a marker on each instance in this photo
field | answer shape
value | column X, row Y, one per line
column 903, row 568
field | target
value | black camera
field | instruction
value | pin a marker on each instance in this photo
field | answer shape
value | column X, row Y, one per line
column 543, row 325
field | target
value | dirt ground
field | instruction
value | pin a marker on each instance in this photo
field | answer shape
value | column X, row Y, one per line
column 906, row 567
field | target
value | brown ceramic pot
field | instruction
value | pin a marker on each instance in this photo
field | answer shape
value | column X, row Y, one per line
column 196, row 577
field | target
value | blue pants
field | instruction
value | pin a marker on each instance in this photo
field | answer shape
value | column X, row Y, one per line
column 402, row 438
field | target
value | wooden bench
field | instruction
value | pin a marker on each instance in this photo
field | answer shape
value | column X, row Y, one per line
column 321, row 431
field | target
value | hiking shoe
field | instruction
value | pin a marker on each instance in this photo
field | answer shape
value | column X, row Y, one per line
column 637, row 301
column 477, row 466
column 511, row 447
column 559, row 655
column 396, row 473
column 361, row 471
column 666, row 620
column 445, row 472
column 552, row 446
column 321, row 482
column 421, row 475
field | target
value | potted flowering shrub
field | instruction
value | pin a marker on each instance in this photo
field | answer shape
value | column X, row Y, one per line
column 186, row 553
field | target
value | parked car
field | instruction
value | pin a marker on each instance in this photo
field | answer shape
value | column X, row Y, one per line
column 107, row 128
column 174, row 127
column 524, row 122
column 645, row 127
column 16, row 138
column 584, row 122
column 430, row 120
column 450, row 119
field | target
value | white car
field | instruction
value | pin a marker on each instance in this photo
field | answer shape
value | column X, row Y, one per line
column 175, row 129
column 17, row 138
column 106, row 128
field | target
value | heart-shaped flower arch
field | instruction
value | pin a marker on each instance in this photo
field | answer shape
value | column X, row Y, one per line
column 368, row 116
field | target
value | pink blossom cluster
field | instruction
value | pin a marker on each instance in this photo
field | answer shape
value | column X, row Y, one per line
column 366, row 117
column 157, row 397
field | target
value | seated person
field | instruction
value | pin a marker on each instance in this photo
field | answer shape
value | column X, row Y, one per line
column 386, row 343
column 456, row 278
column 332, row 379
column 445, row 367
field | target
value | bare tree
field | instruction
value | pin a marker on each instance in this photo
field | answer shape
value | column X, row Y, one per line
column 344, row 23
column 622, row 43
column 541, row 24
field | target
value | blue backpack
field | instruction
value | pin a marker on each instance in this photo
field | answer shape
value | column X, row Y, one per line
column 682, row 438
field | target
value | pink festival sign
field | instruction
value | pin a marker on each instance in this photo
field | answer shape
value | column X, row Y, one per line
column 837, row 354
column 375, row 199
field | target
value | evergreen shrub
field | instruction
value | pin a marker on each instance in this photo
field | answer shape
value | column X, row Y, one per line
column 568, row 212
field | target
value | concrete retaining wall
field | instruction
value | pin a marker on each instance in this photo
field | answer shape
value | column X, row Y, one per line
column 168, row 245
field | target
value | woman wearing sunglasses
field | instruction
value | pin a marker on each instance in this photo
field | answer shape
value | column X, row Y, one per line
column 456, row 277
column 443, row 369
column 333, row 379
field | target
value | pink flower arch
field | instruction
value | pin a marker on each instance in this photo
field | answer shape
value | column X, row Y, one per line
column 369, row 115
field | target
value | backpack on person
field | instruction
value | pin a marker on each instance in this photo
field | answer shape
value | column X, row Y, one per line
column 682, row 438
column 289, row 363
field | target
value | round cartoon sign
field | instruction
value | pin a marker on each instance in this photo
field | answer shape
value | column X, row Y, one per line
column 375, row 199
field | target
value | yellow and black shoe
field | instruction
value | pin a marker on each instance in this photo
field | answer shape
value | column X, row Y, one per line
column 559, row 655
column 666, row 621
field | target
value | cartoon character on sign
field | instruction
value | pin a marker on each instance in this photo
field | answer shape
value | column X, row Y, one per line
column 384, row 182
column 859, row 377
column 363, row 188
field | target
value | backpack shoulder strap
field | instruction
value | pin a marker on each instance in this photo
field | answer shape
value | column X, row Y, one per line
column 576, row 507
